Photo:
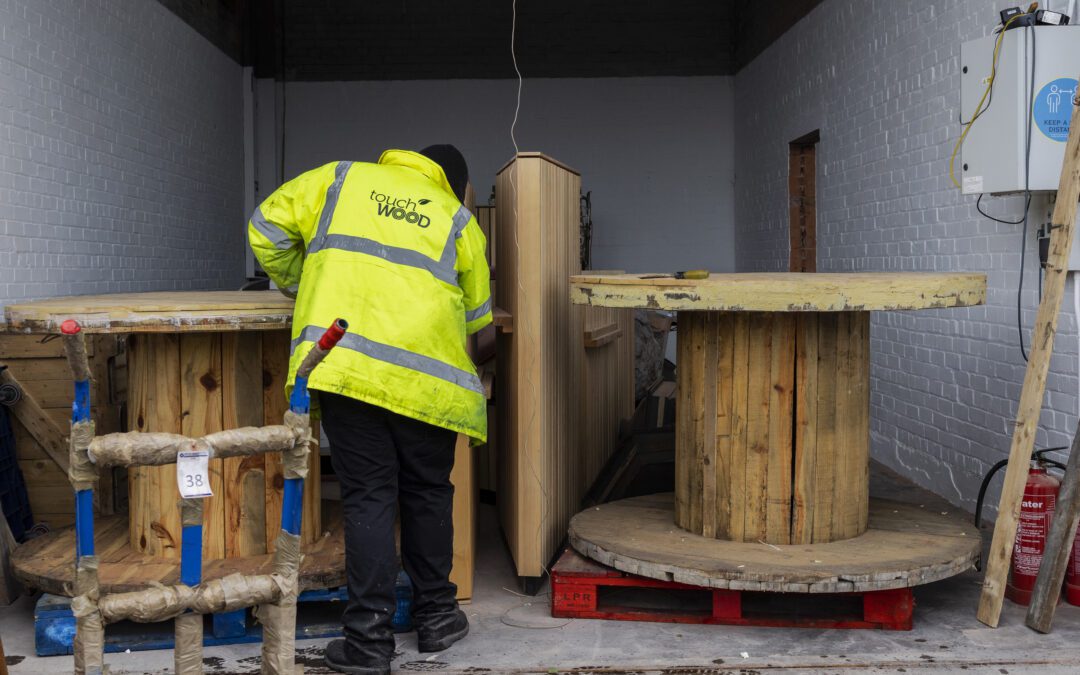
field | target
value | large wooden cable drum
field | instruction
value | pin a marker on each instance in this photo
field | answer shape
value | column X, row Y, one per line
column 772, row 431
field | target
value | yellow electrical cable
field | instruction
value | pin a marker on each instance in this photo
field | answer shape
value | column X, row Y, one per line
column 978, row 108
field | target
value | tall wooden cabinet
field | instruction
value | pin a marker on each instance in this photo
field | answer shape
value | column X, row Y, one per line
column 560, row 373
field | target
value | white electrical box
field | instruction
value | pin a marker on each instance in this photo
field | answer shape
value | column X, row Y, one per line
column 993, row 157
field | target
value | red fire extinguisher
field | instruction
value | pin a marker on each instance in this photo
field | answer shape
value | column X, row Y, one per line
column 1036, row 513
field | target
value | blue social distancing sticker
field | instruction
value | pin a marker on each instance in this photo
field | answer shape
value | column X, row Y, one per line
column 1053, row 106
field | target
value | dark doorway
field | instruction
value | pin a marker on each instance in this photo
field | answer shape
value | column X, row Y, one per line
column 802, row 202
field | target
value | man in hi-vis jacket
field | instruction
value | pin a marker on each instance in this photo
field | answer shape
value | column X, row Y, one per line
column 390, row 248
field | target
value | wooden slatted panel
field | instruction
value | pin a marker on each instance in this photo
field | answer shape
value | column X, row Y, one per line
column 772, row 433
column 826, row 443
column 275, row 367
column 45, row 378
column 781, row 409
column 464, row 519
column 804, row 493
column 200, row 395
column 154, row 405
column 739, row 426
column 244, row 477
column 607, row 390
column 551, row 387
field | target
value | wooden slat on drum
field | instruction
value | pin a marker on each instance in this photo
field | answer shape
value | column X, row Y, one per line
column 154, row 388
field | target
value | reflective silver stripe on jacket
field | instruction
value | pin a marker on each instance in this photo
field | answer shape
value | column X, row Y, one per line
column 442, row 269
column 394, row 254
column 271, row 231
column 474, row 314
column 398, row 357
column 449, row 254
column 332, row 194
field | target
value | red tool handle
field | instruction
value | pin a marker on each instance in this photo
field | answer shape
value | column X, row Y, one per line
column 330, row 338
column 75, row 348
column 333, row 334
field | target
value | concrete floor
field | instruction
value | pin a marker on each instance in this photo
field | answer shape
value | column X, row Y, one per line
column 515, row 634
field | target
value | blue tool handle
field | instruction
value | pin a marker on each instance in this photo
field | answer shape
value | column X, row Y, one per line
column 84, row 522
column 292, row 505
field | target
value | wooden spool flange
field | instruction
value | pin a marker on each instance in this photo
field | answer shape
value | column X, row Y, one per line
column 905, row 545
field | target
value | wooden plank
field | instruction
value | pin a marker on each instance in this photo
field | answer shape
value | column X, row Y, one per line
column 10, row 588
column 598, row 337
column 705, row 468
column 275, row 368
column 844, row 515
column 806, row 369
column 724, row 421
column 781, row 410
column 243, row 477
column 155, row 405
column 464, row 518
column 13, row 346
column 784, row 292
column 740, row 449
column 860, row 419
column 503, row 320
column 825, row 443
column 1059, row 544
column 1031, row 396
column 30, row 414
column 689, row 349
column 200, row 363
column 759, row 395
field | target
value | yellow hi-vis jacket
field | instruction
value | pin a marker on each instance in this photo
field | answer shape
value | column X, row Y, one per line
column 390, row 249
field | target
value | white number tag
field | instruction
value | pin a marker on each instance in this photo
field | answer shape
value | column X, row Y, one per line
column 193, row 473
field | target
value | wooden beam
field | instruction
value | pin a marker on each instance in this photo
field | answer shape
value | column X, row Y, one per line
column 598, row 337
column 503, row 320
column 1031, row 396
column 9, row 586
column 1059, row 544
column 38, row 422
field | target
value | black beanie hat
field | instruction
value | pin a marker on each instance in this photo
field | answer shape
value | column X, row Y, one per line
column 453, row 165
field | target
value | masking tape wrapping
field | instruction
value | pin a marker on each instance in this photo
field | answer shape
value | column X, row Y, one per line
column 191, row 512
column 89, row 646
column 279, row 619
column 294, row 461
column 81, row 472
column 75, row 347
column 313, row 358
column 136, row 448
column 160, row 603
column 188, row 653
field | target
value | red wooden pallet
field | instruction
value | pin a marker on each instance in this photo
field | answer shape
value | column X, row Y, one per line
column 583, row 589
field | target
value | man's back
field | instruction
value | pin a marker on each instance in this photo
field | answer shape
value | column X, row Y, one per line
column 389, row 248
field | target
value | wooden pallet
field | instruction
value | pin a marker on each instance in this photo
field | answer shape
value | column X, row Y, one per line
column 583, row 589
column 318, row 615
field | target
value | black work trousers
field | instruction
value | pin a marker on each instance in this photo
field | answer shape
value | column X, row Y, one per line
column 385, row 461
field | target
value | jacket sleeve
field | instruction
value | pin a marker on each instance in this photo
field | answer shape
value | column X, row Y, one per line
column 281, row 226
column 474, row 277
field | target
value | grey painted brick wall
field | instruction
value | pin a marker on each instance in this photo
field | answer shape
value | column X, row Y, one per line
column 880, row 79
column 121, row 152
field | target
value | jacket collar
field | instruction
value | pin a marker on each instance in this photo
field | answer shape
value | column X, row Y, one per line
column 417, row 162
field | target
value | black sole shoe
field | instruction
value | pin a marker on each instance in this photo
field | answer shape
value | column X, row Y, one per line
column 336, row 658
column 440, row 642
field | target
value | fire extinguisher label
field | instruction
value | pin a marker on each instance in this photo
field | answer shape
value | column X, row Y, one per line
column 1035, row 516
